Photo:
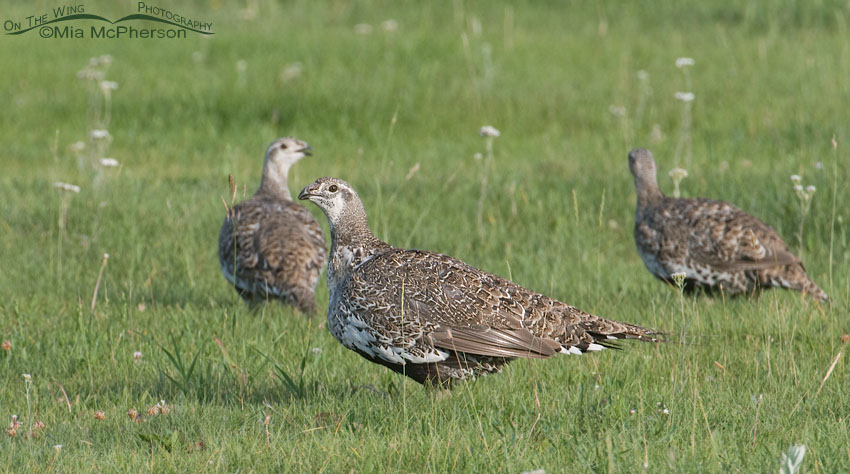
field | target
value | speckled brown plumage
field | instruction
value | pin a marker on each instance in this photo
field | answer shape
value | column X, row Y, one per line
column 277, row 246
column 717, row 245
column 434, row 318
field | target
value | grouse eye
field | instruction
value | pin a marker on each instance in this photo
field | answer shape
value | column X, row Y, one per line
column 283, row 146
column 333, row 188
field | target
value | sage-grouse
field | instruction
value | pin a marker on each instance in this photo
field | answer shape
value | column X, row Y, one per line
column 716, row 245
column 432, row 317
column 269, row 246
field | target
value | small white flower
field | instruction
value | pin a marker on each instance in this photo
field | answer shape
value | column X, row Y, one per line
column 632, row 411
column 108, row 85
column 642, row 75
column 795, row 178
column 489, row 131
column 684, row 62
column 66, row 187
column 137, row 355
column 798, row 188
column 291, row 71
column 316, row 350
column 109, row 162
column 477, row 156
column 241, row 66
column 810, row 189
column 596, row 387
column 679, row 279
column 57, row 447
column 100, row 134
column 819, row 165
column 678, row 174
column 389, row 25
column 666, row 411
column 105, row 59
column 363, row 28
column 26, row 376
column 684, row 96
column 78, row 147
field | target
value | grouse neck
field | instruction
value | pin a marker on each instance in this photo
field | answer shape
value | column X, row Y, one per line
column 274, row 181
column 352, row 243
column 647, row 191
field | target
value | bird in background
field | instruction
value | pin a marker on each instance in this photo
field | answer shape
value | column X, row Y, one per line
column 434, row 318
column 271, row 247
column 716, row 245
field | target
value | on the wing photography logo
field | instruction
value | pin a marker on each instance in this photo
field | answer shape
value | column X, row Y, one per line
column 64, row 22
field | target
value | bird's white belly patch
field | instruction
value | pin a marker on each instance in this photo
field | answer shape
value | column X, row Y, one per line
column 355, row 334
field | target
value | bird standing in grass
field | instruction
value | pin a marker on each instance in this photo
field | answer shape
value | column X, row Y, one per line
column 716, row 245
column 434, row 318
column 269, row 246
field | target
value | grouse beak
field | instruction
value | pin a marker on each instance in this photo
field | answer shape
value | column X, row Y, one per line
column 307, row 150
column 305, row 194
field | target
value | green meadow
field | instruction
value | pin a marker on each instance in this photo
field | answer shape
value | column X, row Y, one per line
column 391, row 96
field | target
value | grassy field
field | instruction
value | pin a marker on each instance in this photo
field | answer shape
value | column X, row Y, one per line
column 395, row 111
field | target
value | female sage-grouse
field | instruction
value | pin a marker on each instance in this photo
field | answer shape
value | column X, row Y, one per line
column 275, row 244
column 715, row 244
column 432, row 317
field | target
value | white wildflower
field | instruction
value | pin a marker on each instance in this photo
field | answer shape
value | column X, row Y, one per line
column 684, row 96
column 363, row 28
column 678, row 174
column 684, row 62
column 488, row 131
column 666, row 411
column 106, row 86
column 137, row 355
column 795, row 178
column 57, row 447
column 316, row 350
column 109, row 162
column 642, row 75
column 679, row 279
column 819, row 165
column 798, row 188
column 389, row 25
column 78, row 147
column 26, row 377
column 291, row 71
column 66, row 187
column 811, row 189
column 105, row 59
column 100, row 134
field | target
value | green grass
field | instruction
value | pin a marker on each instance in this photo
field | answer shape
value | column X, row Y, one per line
column 771, row 91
